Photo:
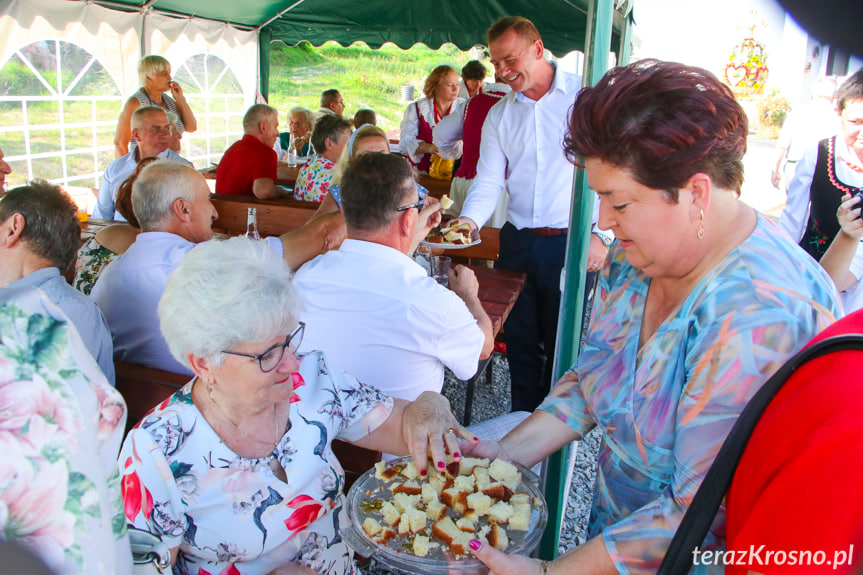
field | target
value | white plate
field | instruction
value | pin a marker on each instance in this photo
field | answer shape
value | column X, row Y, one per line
column 451, row 246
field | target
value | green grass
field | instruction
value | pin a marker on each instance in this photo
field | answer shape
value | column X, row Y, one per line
column 366, row 78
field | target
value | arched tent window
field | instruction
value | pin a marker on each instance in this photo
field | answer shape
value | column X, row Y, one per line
column 58, row 111
column 216, row 97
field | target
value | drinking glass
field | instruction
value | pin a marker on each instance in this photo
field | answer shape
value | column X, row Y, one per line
column 440, row 269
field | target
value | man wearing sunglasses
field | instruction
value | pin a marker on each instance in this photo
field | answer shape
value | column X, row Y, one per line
column 373, row 310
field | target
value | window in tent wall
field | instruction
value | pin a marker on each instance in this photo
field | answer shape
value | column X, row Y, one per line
column 58, row 112
column 216, row 98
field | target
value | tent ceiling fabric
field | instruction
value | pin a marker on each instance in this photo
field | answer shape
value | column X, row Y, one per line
column 403, row 22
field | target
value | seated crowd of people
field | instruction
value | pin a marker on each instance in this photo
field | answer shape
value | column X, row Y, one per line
column 332, row 330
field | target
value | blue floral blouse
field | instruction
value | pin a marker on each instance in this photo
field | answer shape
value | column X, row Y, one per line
column 666, row 408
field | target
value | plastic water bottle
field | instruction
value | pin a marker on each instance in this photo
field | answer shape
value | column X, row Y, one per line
column 252, row 224
column 292, row 152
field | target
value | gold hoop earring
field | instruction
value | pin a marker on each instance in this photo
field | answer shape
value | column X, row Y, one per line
column 701, row 229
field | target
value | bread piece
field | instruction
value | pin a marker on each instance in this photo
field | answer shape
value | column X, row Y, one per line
column 479, row 502
column 452, row 469
column 385, row 473
column 445, row 202
column 403, row 501
column 505, row 472
column 467, row 464
column 421, row 545
column 410, row 471
column 497, row 537
column 438, row 483
column 385, row 536
column 520, row 520
column 446, row 530
column 500, row 512
column 497, row 491
column 372, row 527
column 519, row 498
column 459, row 235
column 471, row 516
column 429, row 493
column 465, row 483
column 390, row 514
column 408, row 488
column 455, row 499
column 481, row 477
column 415, row 520
column 435, row 510
column 465, row 525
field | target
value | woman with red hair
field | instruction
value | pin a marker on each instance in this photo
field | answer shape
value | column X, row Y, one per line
column 700, row 300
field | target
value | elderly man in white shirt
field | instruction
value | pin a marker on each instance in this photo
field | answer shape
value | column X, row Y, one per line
column 522, row 150
column 172, row 204
column 372, row 309
column 151, row 129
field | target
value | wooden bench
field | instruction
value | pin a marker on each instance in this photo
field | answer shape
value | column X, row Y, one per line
column 144, row 388
column 275, row 217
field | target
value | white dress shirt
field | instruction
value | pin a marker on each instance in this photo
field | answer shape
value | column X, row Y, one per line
column 128, row 292
column 796, row 213
column 410, row 126
column 376, row 315
column 118, row 172
column 523, row 139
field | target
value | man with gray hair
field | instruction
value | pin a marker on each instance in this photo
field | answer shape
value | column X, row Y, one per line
column 248, row 167
column 332, row 103
column 172, row 204
column 151, row 129
column 372, row 309
column 39, row 238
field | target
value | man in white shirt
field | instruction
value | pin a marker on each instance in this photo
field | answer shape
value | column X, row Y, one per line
column 522, row 151
column 152, row 130
column 372, row 309
column 172, row 204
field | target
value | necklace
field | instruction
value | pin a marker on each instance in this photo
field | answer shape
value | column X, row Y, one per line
column 273, row 444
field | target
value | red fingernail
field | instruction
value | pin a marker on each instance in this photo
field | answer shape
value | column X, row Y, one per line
column 441, row 465
column 456, row 454
column 475, row 544
column 475, row 438
column 423, row 472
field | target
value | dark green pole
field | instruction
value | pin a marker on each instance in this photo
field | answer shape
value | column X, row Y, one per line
column 597, row 46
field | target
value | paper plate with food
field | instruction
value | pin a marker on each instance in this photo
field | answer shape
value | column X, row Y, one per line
column 453, row 237
column 424, row 524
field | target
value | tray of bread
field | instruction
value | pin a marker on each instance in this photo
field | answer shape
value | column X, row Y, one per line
column 455, row 237
column 424, row 525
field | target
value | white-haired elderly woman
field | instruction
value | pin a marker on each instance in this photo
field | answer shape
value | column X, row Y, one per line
column 154, row 73
column 300, row 123
column 236, row 468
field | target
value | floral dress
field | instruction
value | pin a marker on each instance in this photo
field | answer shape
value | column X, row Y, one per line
column 232, row 515
column 92, row 258
column 314, row 178
column 61, row 425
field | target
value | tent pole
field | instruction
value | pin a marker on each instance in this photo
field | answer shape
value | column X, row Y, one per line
column 597, row 47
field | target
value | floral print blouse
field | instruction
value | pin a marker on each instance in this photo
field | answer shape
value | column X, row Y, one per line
column 92, row 258
column 61, row 425
column 232, row 515
column 314, row 178
column 665, row 409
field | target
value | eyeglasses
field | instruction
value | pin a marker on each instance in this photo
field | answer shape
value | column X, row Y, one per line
column 419, row 206
column 270, row 359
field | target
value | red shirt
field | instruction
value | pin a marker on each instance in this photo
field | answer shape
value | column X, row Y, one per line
column 243, row 163
column 799, row 485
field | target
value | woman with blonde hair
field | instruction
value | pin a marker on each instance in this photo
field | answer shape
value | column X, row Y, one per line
column 154, row 72
column 441, row 98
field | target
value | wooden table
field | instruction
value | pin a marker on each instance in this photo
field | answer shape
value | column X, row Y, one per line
column 498, row 291
column 287, row 176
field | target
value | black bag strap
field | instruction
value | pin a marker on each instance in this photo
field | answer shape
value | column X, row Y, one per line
column 698, row 518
